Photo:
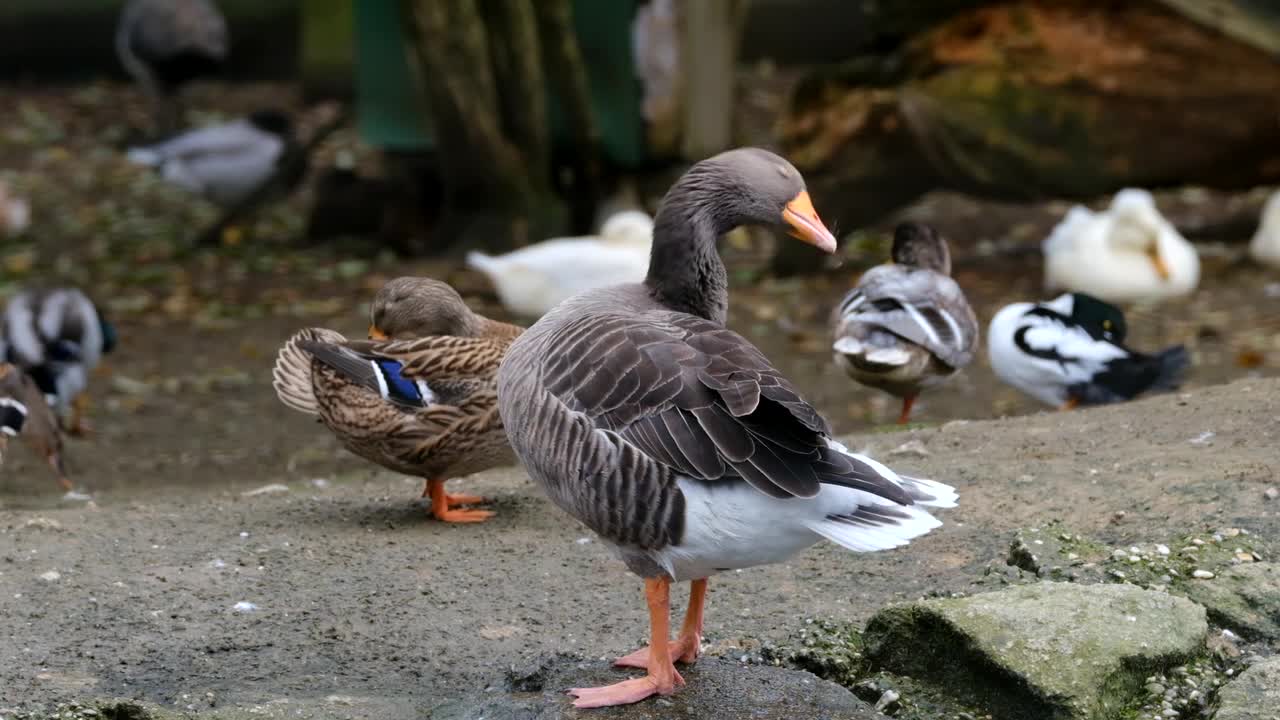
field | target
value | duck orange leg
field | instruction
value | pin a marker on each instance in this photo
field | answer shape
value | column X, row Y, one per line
column 440, row 501
column 662, row 678
column 688, row 644
column 454, row 499
column 907, row 403
column 1070, row 404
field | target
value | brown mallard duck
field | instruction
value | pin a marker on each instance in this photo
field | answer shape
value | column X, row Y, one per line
column 24, row 412
column 906, row 326
column 419, row 398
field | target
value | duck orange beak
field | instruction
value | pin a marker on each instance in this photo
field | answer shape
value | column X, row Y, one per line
column 805, row 225
column 376, row 334
column 1162, row 269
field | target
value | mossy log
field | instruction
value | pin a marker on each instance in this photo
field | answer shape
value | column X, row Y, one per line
column 1036, row 98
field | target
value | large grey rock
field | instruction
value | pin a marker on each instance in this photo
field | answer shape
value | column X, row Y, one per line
column 714, row 688
column 1255, row 695
column 1245, row 598
column 1041, row 651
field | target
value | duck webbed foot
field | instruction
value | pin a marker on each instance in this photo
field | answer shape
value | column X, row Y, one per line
column 442, row 504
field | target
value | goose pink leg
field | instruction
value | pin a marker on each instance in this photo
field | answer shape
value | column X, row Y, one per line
column 662, row 678
column 688, row 644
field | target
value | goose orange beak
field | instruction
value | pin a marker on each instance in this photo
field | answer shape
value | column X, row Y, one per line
column 376, row 334
column 805, row 225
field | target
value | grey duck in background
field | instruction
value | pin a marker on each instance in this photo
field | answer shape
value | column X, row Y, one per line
column 674, row 438
column 419, row 399
column 24, row 412
column 164, row 44
column 57, row 336
column 906, row 326
column 227, row 162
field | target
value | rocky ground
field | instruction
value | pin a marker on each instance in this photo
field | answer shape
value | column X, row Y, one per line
column 300, row 595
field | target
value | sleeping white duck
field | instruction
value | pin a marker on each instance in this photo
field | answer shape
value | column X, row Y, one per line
column 532, row 280
column 1126, row 253
column 1265, row 247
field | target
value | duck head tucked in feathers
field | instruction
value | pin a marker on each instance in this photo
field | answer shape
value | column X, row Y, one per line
column 423, row 403
column 906, row 326
column 410, row 307
column 918, row 245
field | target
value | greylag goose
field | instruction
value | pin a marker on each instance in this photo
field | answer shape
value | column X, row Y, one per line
column 57, row 337
column 419, row 399
column 907, row 325
column 1070, row 351
column 23, row 411
column 674, row 438
column 164, row 44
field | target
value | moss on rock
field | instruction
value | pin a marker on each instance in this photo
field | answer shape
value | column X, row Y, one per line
column 1049, row 650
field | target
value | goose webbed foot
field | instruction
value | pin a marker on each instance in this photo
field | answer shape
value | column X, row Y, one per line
column 662, row 678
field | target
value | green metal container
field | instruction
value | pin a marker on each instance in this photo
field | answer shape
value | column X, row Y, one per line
column 391, row 113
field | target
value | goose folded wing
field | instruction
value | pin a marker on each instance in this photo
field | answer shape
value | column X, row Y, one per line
column 702, row 401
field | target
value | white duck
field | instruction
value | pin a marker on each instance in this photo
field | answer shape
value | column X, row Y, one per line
column 532, row 280
column 1127, row 253
column 1265, row 247
column 226, row 162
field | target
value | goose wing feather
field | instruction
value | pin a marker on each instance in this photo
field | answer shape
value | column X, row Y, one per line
column 698, row 399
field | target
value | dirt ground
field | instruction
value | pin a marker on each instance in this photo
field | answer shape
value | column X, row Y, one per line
column 356, row 595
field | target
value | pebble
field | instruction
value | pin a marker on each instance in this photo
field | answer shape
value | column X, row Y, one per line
column 1271, row 493
column 272, row 489
column 1202, row 575
column 244, row 606
column 1162, row 549
column 888, row 698
column 51, row 576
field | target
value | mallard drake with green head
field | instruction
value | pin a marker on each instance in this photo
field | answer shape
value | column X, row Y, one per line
column 419, row 397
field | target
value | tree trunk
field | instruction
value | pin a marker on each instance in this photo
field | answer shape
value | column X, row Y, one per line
column 494, row 163
column 1028, row 99
column 568, row 76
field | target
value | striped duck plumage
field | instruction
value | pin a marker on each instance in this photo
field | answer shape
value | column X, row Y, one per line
column 24, row 412
column 418, row 397
column 674, row 438
column 907, row 325
column 57, row 336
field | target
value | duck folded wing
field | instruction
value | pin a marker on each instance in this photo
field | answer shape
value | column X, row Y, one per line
column 702, row 401
column 1046, row 335
column 924, row 307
